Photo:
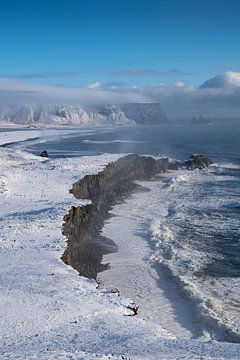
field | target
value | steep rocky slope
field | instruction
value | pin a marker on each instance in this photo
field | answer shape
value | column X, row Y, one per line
column 75, row 115
column 82, row 225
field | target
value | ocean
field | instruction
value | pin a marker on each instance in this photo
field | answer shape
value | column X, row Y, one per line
column 194, row 215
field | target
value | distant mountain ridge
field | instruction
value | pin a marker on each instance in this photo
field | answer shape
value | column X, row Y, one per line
column 75, row 115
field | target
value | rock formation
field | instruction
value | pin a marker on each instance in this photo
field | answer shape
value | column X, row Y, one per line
column 75, row 115
column 82, row 225
column 44, row 153
column 197, row 161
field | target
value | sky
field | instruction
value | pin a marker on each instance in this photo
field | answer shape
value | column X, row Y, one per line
column 157, row 50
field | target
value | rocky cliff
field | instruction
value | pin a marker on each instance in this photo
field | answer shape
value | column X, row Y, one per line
column 140, row 113
column 145, row 114
column 75, row 115
column 82, row 225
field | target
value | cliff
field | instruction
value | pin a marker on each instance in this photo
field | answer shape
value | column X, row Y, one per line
column 82, row 225
column 145, row 114
column 75, row 115
column 140, row 113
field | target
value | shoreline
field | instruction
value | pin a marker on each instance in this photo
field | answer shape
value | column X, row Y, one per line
column 9, row 138
column 12, row 143
column 135, row 275
column 83, row 224
column 87, row 245
column 197, row 319
column 48, row 310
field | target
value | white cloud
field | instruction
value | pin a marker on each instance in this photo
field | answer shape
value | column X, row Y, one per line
column 181, row 99
column 179, row 83
column 95, row 85
column 218, row 96
column 229, row 79
column 19, row 91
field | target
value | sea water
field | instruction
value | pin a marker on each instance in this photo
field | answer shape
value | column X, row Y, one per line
column 195, row 232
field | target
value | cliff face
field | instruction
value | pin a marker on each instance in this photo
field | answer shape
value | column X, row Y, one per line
column 75, row 115
column 145, row 114
column 117, row 175
column 82, row 225
column 140, row 113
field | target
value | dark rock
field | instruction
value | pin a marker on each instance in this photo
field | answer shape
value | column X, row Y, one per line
column 145, row 114
column 141, row 113
column 83, row 224
column 134, row 308
column 197, row 161
column 200, row 120
column 44, row 153
column 174, row 166
column 61, row 113
column 162, row 165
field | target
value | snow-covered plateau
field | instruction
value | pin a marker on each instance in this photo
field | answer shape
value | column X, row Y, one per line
column 47, row 310
column 74, row 115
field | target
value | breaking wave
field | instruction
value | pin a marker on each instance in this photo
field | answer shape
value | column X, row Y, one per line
column 198, row 240
column 87, row 141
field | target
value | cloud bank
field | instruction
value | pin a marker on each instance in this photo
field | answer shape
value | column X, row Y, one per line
column 218, row 96
column 186, row 100
column 17, row 91
column 228, row 80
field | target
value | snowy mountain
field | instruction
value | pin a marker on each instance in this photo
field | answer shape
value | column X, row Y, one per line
column 75, row 115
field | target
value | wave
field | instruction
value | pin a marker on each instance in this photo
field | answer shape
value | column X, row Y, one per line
column 175, row 181
column 87, row 141
column 183, row 264
column 184, row 245
column 229, row 166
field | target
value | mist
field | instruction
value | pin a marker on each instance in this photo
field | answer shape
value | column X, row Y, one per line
column 218, row 96
column 19, row 92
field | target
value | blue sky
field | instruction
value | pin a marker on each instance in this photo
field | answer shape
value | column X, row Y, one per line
column 77, row 42
column 184, row 54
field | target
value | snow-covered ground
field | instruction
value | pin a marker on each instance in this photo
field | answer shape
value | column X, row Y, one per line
column 8, row 137
column 47, row 311
column 18, row 137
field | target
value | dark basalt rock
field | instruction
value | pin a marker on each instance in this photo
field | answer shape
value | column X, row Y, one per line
column 197, row 161
column 82, row 225
column 44, row 154
column 174, row 165
column 115, row 178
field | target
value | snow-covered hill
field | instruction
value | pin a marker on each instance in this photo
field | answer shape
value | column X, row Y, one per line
column 75, row 115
